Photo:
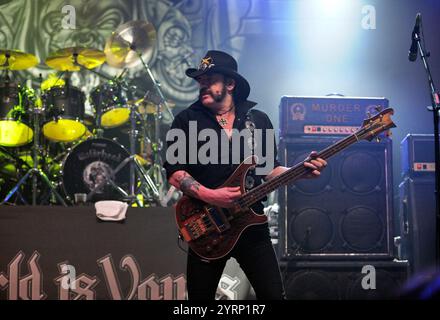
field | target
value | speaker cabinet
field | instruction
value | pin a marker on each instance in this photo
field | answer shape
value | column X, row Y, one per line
column 353, row 280
column 417, row 222
column 347, row 211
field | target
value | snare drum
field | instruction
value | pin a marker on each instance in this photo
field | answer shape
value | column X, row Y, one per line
column 109, row 101
column 64, row 114
column 15, row 127
column 89, row 164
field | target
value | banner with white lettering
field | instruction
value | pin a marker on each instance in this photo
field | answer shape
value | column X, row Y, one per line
column 69, row 254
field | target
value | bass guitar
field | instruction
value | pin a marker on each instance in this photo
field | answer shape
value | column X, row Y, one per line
column 212, row 232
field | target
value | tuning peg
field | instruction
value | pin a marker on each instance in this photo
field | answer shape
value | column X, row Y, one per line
column 378, row 108
column 377, row 139
column 369, row 114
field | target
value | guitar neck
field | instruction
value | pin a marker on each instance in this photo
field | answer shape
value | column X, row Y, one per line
column 294, row 173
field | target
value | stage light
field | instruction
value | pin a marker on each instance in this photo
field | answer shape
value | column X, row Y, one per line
column 334, row 8
column 325, row 40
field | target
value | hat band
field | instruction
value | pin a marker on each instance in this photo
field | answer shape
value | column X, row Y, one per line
column 206, row 63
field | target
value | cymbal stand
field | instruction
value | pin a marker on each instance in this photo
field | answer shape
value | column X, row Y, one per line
column 156, row 169
column 35, row 172
column 135, row 165
column 155, row 82
column 157, row 166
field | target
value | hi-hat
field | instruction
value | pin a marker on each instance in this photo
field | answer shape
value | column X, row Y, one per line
column 130, row 40
column 72, row 59
column 16, row 60
column 147, row 107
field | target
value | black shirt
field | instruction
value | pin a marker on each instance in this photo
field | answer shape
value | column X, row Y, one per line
column 213, row 175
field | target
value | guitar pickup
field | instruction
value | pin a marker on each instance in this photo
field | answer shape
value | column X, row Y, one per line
column 218, row 219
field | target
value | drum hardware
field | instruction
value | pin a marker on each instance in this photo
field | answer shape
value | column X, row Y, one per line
column 11, row 156
column 151, row 105
column 35, row 171
column 135, row 164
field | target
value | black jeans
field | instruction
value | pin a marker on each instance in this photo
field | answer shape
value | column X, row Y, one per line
column 256, row 256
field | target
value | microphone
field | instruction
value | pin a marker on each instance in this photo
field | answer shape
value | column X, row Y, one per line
column 412, row 54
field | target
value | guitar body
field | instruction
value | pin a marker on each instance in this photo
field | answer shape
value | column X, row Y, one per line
column 212, row 232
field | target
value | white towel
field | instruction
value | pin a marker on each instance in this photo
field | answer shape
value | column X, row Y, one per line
column 111, row 210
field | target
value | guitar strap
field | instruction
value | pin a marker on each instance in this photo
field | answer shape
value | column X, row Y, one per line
column 250, row 125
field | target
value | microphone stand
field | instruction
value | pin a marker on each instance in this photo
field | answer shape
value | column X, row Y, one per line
column 435, row 107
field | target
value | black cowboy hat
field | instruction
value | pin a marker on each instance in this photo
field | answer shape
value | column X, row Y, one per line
column 223, row 63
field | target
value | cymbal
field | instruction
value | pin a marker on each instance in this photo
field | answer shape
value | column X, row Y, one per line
column 16, row 60
column 146, row 107
column 64, row 59
column 130, row 40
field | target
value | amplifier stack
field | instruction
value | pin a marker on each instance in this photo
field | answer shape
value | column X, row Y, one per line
column 342, row 220
column 417, row 201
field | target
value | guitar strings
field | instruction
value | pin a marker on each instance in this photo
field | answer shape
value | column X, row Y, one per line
column 293, row 173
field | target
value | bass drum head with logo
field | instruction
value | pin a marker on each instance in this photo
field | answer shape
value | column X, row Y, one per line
column 92, row 162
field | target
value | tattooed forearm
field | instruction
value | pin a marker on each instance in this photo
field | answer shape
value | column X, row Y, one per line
column 183, row 181
column 189, row 186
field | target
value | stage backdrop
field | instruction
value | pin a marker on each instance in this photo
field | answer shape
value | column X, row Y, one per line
column 185, row 29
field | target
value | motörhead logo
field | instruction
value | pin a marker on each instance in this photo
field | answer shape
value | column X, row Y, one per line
column 99, row 154
column 297, row 111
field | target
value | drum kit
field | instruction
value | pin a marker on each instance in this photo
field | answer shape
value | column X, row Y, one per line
column 86, row 166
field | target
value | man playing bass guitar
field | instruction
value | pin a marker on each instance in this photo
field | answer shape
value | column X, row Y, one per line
column 223, row 108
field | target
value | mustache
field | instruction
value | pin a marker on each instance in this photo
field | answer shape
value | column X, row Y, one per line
column 205, row 91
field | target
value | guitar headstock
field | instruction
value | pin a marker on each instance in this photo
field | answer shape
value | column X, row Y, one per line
column 375, row 125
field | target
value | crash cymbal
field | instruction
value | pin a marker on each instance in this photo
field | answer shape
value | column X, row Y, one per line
column 130, row 40
column 64, row 59
column 16, row 60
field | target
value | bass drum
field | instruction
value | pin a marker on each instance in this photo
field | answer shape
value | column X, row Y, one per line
column 89, row 164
